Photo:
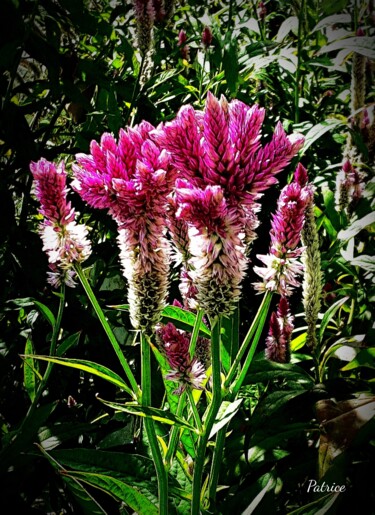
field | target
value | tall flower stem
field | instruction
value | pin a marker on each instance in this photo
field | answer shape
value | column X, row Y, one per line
column 150, row 428
column 107, row 328
column 260, row 319
column 175, row 431
column 216, row 462
column 211, row 415
column 194, row 410
column 301, row 20
column 195, row 333
column 263, row 308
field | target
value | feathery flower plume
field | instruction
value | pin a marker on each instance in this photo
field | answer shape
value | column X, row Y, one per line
column 223, row 170
column 64, row 241
column 312, row 279
column 132, row 179
column 145, row 17
column 279, row 334
column 282, row 263
column 184, row 370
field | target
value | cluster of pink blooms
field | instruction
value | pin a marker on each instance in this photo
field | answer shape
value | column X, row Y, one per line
column 185, row 370
column 132, row 179
column 349, row 185
column 282, row 263
column 223, row 168
column 280, row 332
column 64, row 241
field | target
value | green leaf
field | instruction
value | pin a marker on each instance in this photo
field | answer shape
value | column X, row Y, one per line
column 263, row 369
column 118, row 489
column 364, row 261
column 332, row 20
column 356, row 227
column 318, row 131
column 230, row 65
column 135, row 468
column 365, row 358
column 226, row 413
column 70, row 341
column 329, row 314
column 90, row 367
column 258, row 499
column 298, row 342
column 84, row 499
column 46, row 312
column 363, row 45
column 334, row 7
column 56, row 434
column 181, row 318
column 318, row 507
column 290, row 24
column 29, row 370
column 156, row 414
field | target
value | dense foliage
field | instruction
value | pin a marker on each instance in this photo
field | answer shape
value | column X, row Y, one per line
column 75, row 69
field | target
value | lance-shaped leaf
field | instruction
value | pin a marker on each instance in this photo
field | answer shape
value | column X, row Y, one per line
column 90, row 367
column 329, row 314
column 226, row 413
column 144, row 411
column 46, row 312
column 181, row 318
column 118, row 489
column 30, row 371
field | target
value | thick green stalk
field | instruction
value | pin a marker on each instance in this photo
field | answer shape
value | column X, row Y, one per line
column 175, row 432
column 249, row 358
column 195, row 333
column 107, row 328
column 210, row 419
column 194, row 410
column 237, row 362
column 301, row 21
column 216, row 462
column 150, row 428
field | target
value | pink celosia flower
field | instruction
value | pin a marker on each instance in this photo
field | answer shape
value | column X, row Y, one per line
column 206, row 37
column 64, row 241
column 282, row 263
column 349, row 186
column 223, row 170
column 184, row 370
column 280, row 332
column 132, row 179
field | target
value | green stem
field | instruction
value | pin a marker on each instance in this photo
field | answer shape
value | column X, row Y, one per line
column 237, row 362
column 216, row 462
column 249, row 358
column 210, row 419
column 194, row 410
column 107, row 328
column 195, row 333
column 150, row 428
column 297, row 85
column 175, row 431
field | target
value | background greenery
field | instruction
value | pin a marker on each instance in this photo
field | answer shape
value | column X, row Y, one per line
column 70, row 70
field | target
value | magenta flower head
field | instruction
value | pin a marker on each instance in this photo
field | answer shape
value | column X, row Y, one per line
column 280, row 332
column 188, row 372
column 206, row 37
column 64, row 241
column 223, row 171
column 349, row 186
column 282, row 263
column 132, row 179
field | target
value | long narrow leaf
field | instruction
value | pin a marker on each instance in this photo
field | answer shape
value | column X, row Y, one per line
column 329, row 314
column 112, row 486
column 90, row 367
column 156, row 414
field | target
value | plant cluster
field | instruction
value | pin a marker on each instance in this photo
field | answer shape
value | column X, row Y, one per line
column 187, row 265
